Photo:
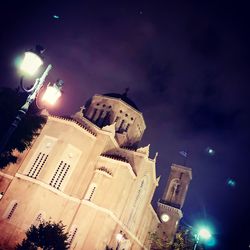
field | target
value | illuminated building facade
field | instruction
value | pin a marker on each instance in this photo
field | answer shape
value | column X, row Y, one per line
column 88, row 172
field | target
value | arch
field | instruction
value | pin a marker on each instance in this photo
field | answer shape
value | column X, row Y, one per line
column 40, row 157
column 173, row 189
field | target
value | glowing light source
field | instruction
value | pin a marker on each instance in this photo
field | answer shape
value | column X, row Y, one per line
column 56, row 16
column 165, row 217
column 30, row 63
column 231, row 182
column 210, row 151
column 52, row 94
column 119, row 237
column 204, row 233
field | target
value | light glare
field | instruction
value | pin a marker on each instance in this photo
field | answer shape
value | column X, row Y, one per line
column 119, row 237
column 30, row 63
column 165, row 217
column 204, row 233
column 51, row 95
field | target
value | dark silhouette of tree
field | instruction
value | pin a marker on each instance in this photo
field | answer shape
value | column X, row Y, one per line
column 48, row 236
column 10, row 102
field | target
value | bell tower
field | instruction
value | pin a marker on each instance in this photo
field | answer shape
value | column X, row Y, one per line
column 169, row 207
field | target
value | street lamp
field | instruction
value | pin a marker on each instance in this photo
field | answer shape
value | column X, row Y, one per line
column 31, row 63
column 119, row 238
column 53, row 93
column 204, row 234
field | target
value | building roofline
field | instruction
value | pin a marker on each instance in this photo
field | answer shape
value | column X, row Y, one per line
column 126, row 104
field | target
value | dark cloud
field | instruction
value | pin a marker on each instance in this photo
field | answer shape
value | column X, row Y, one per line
column 206, row 117
column 207, row 42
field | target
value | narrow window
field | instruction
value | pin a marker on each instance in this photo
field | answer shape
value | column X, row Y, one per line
column 37, row 165
column 59, row 175
column 72, row 234
column 126, row 129
column 93, row 116
column 90, row 192
column 99, row 120
column 181, row 174
column 106, row 119
column 120, row 128
column 10, row 210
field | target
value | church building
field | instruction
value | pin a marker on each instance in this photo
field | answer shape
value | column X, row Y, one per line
column 88, row 171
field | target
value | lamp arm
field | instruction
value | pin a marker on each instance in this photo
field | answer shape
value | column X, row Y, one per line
column 38, row 82
column 37, row 85
column 23, row 110
column 23, row 88
column 197, row 238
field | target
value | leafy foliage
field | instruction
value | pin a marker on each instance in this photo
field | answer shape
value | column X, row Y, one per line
column 158, row 243
column 184, row 240
column 10, row 102
column 47, row 236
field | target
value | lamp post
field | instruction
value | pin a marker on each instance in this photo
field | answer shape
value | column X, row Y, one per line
column 30, row 64
column 119, row 238
column 204, row 234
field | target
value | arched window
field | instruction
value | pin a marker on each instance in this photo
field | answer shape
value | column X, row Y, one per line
column 90, row 192
column 100, row 119
column 40, row 157
column 106, row 119
column 173, row 190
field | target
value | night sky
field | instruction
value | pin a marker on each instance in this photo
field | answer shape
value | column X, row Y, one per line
column 187, row 66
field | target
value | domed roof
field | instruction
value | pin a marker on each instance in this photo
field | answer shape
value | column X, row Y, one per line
column 123, row 97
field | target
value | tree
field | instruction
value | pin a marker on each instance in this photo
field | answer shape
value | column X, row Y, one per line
column 184, row 240
column 158, row 243
column 10, row 101
column 47, row 235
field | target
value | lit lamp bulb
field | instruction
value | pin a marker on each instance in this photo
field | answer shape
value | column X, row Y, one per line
column 119, row 237
column 204, row 233
column 31, row 63
column 53, row 93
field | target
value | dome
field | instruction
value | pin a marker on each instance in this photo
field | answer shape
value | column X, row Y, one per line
column 123, row 97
